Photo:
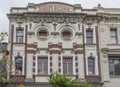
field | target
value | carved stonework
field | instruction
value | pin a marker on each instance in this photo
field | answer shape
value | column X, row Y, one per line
column 104, row 50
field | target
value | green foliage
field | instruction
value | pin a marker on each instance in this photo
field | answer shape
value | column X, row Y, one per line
column 58, row 80
column 2, row 36
column 3, row 63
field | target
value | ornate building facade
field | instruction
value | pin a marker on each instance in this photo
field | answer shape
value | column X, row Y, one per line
column 74, row 41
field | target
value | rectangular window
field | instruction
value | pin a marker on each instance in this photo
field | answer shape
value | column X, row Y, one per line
column 114, row 65
column 68, row 65
column 113, row 36
column 19, row 35
column 89, row 36
column 91, row 66
column 18, row 65
column 43, row 65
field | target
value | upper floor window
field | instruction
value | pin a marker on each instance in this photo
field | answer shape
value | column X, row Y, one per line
column 19, row 35
column 68, row 65
column 114, row 65
column 42, row 65
column 91, row 65
column 113, row 36
column 66, row 35
column 89, row 36
column 42, row 34
column 18, row 65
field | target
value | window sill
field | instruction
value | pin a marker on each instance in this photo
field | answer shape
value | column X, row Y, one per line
column 18, row 75
column 90, row 44
column 92, row 75
column 18, row 43
column 42, row 75
column 114, row 76
column 113, row 44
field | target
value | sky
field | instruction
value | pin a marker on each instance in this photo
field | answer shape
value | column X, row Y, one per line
column 5, row 6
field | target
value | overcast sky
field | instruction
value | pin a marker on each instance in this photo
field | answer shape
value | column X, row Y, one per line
column 5, row 6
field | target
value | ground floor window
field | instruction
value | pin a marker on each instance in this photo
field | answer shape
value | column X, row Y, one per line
column 114, row 65
column 91, row 65
column 18, row 65
column 67, row 65
column 42, row 65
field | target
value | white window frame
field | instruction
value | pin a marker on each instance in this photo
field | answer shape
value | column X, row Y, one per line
column 96, row 65
column 94, row 33
column 15, row 29
column 71, row 55
column 36, row 64
column 116, row 29
column 23, row 65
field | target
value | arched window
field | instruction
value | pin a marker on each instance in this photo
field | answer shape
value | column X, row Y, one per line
column 91, row 65
column 42, row 33
column 66, row 35
column 18, row 65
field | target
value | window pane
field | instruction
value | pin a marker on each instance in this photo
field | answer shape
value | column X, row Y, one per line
column 19, row 35
column 113, row 32
column 90, row 70
column 89, row 40
column 20, row 39
column 90, row 61
column 39, row 67
column 113, row 35
column 42, row 34
column 89, row 34
column 91, row 64
column 45, row 68
column 114, row 39
column 64, row 68
column 68, row 65
column 18, row 65
column 20, row 32
column 89, row 37
column 42, row 65
column 70, row 68
column 114, row 65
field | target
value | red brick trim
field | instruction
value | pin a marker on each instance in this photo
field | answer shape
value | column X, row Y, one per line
column 84, row 50
column 26, row 27
column 54, row 46
column 33, row 64
column 97, row 43
column 76, row 70
column 76, row 58
column 76, row 64
column 19, row 78
column 51, row 64
column 59, row 70
column 34, row 58
column 50, row 58
column 79, row 52
column 31, row 46
column 31, row 51
column 55, row 51
column 11, row 47
column 34, row 70
column 51, row 70
column 59, row 64
column 75, row 46
column 93, row 78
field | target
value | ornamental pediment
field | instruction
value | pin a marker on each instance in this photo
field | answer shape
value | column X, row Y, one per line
column 54, row 7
